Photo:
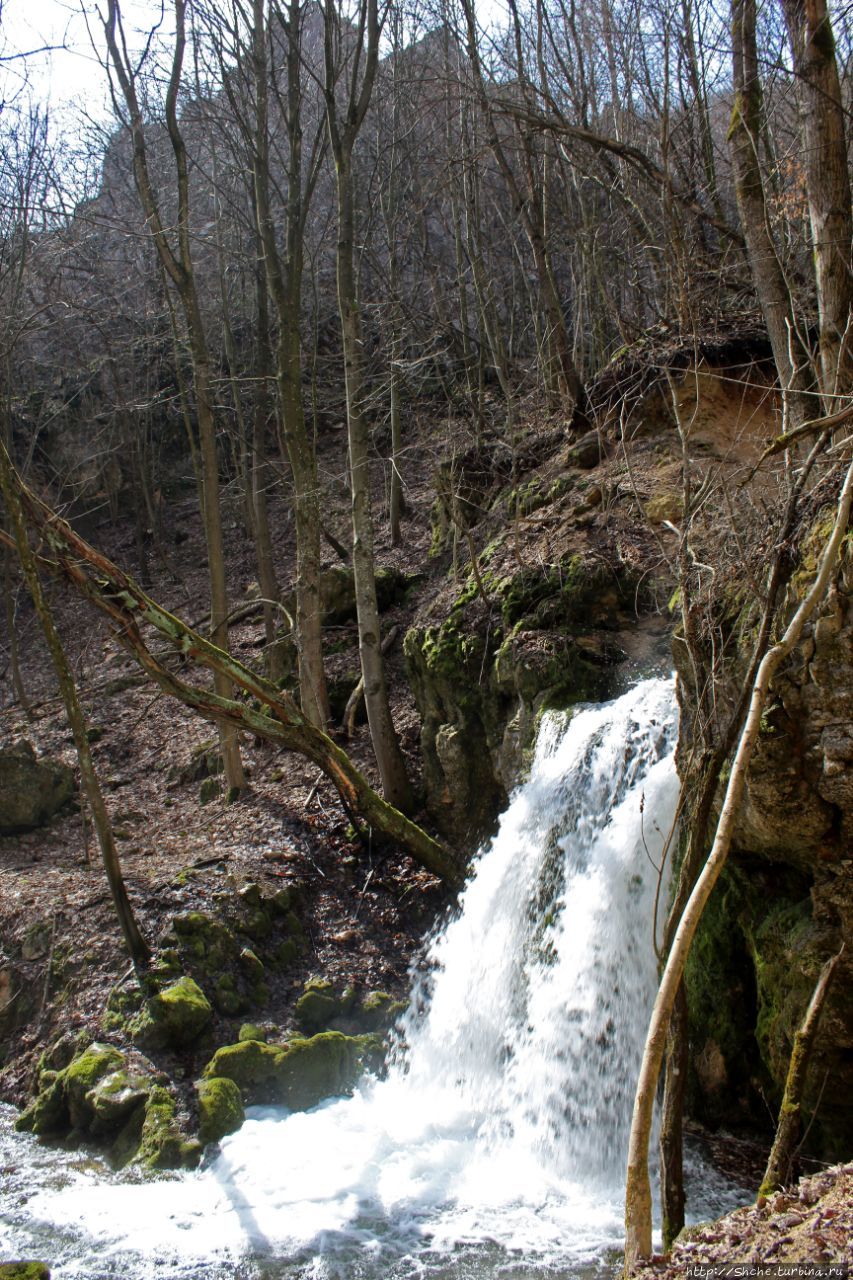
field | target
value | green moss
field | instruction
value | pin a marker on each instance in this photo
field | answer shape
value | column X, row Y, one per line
column 317, row 1006
column 298, row 1074
column 226, row 996
column 378, row 1011
column 81, row 1076
column 251, row 1031
column 24, row 1271
column 718, row 974
column 174, row 1018
column 287, row 952
column 79, row 1096
column 811, row 550
column 787, row 955
column 162, row 1144
column 209, row 790
column 220, row 1108
column 48, row 1112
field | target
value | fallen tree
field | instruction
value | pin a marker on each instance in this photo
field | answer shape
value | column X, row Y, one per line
column 267, row 711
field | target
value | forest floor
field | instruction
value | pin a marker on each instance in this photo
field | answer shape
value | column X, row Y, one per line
column 366, row 911
column 810, row 1223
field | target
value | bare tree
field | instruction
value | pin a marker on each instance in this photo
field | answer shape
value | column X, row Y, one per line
column 175, row 255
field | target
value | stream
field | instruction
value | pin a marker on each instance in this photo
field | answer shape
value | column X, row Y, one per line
column 495, row 1146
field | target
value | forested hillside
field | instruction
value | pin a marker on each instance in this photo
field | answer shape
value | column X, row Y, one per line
column 375, row 381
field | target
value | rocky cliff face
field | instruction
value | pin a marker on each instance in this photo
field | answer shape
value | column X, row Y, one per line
column 785, row 902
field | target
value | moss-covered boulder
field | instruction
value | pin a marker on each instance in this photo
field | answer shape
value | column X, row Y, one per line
column 81, row 1078
column 378, row 1011
column 298, row 1074
column 319, row 1006
column 31, row 790
column 174, row 1018
column 162, row 1144
column 24, row 1271
column 220, row 1108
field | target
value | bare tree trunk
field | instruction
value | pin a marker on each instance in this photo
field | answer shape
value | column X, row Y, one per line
column 672, row 1115
column 343, row 130
column 136, row 944
column 178, row 265
column 284, row 279
column 389, row 758
column 774, row 296
column 824, row 152
column 638, row 1199
column 790, row 1126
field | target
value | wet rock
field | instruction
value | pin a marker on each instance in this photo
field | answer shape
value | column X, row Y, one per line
column 82, row 1075
column 162, row 1144
column 298, row 1074
column 32, row 791
column 114, row 1098
column 220, row 1108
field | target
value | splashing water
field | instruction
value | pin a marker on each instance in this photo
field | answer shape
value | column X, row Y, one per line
column 496, row 1144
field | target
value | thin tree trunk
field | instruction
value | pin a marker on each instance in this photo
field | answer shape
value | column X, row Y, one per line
column 774, row 296
column 790, row 1126
column 116, row 595
column 136, row 944
column 389, row 758
column 824, row 152
column 638, row 1198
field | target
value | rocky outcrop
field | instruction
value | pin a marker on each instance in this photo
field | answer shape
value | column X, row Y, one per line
column 785, row 901
column 31, row 790
column 551, row 638
column 95, row 1091
column 299, row 1073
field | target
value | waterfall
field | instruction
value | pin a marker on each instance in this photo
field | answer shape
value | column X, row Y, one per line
column 502, row 1124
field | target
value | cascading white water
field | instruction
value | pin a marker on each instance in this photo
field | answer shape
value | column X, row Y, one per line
column 502, row 1124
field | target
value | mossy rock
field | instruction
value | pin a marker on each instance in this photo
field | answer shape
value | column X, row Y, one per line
column 113, row 1099
column 48, row 1112
column 298, row 1074
column 210, row 789
column 378, row 1011
column 227, row 998
column 162, row 1145
column 664, row 506
column 175, row 1018
column 31, row 790
column 318, row 1005
column 251, row 1031
column 82, row 1075
column 220, row 1108
column 24, row 1271
column 92, row 1094
column 210, row 951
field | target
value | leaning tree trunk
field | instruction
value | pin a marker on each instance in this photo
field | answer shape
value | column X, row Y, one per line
column 790, row 1125
column 277, row 718
column 136, row 944
column 638, row 1197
